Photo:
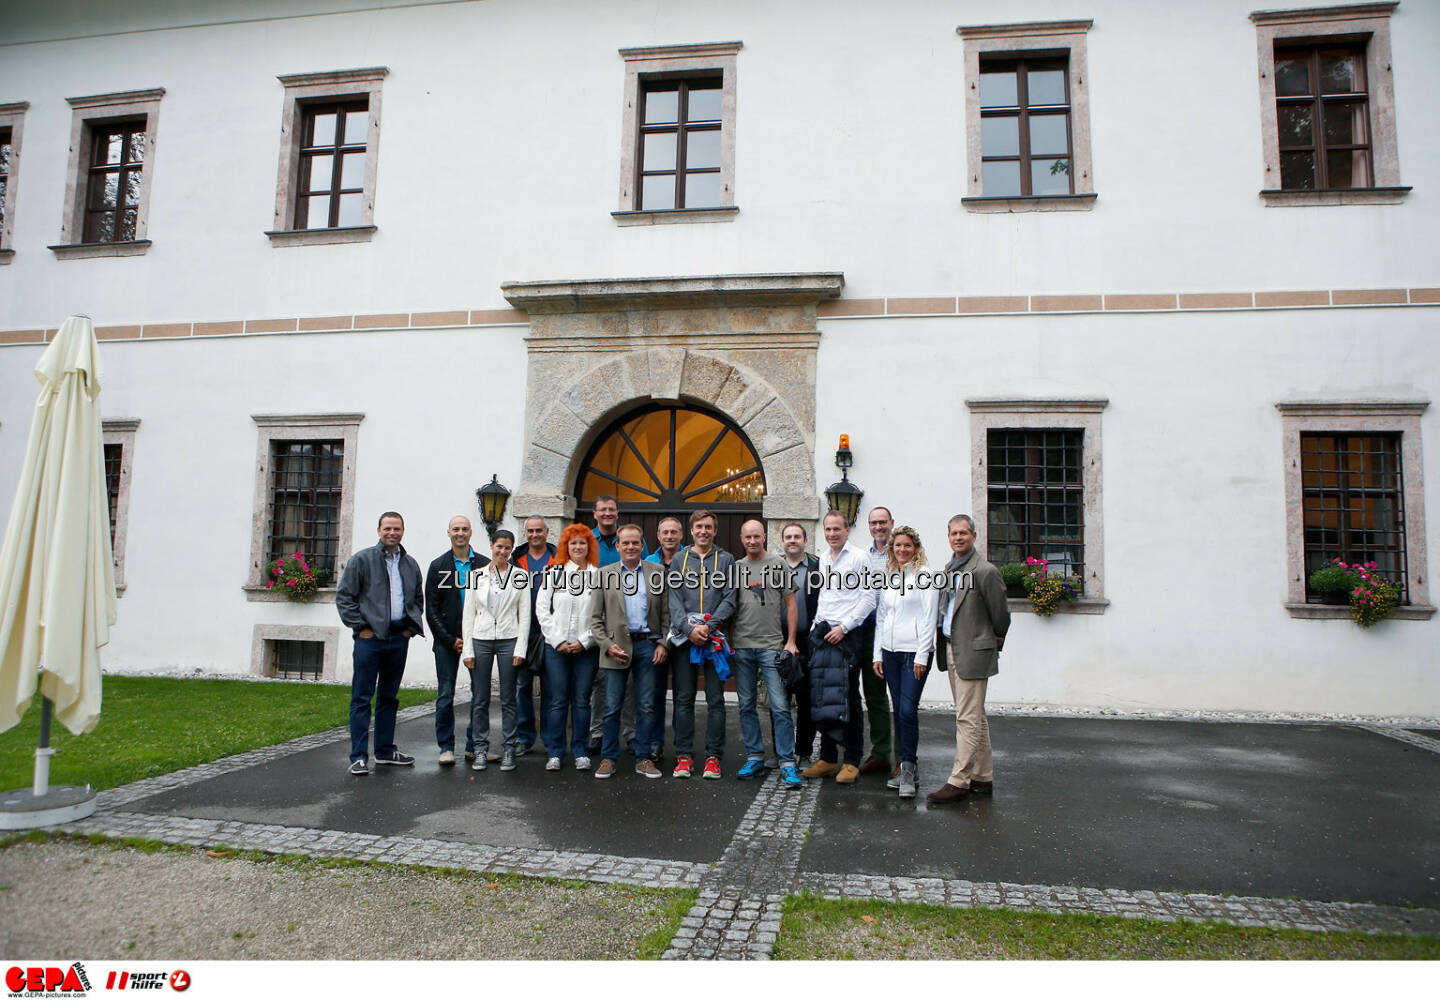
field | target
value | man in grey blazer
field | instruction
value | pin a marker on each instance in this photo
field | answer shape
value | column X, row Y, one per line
column 629, row 618
column 973, row 621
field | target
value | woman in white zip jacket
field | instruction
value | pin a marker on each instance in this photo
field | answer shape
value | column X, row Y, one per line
column 904, row 644
column 562, row 607
column 496, row 614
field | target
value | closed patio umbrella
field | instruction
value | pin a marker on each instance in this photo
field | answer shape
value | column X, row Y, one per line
column 57, row 577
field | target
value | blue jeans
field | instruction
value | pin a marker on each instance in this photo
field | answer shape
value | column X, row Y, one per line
column 500, row 652
column 529, row 725
column 686, row 675
column 447, row 667
column 571, row 678
column 642, row 667
column 905, row 696
column 659, row 687
column 378, row 663
column 749, row 664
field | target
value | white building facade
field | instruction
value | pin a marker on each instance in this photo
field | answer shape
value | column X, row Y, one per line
column 1150, row 289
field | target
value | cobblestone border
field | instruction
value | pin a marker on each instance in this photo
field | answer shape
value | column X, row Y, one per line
column 113, row 798
column 1405, row 736
column 1242, row 911
column 737, row 915
column 654, row 873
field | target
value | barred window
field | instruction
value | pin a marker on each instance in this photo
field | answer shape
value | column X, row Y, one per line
column 1036, row 498
column 5, row 154
column 114, row 458
column 305, row 495
column 296, row 660
column 1354, row 503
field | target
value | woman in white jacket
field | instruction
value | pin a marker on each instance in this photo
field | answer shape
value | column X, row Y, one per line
column 904, row 643
column 562, row 607
column 496, row 614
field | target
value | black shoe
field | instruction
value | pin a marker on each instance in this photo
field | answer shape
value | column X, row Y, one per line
column 982, row 787
column 395, row 757
column 358, row 768
column 594, row 748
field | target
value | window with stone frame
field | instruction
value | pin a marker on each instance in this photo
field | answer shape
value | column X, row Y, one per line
column 1327, row 105
column 118, row 437
column 107, row 197
column 304, row 496
column 113, row 181
column 678, row 148
column 1354, row 499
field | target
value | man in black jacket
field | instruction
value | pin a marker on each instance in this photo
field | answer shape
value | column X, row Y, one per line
column 803, row 565
column 444, row 600
column 380, row 598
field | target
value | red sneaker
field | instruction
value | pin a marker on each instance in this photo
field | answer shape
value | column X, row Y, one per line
column 683, row 767
column 712, row 767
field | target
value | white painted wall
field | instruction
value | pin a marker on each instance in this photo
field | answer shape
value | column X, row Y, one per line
column 499, row 156
column 1194, row 515
column 499, row 161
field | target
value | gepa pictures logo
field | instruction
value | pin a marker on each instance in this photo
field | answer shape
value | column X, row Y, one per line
column 46, row 980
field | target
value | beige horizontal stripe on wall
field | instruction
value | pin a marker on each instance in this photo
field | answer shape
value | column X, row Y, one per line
column 963, row 305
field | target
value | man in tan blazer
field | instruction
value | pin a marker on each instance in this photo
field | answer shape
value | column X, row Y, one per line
column 629, row 619
column 973, row 621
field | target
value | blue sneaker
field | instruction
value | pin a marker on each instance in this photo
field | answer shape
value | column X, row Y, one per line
column 790, row 777
column 751, row 770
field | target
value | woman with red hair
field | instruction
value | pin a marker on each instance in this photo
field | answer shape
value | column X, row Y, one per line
column 562, row 607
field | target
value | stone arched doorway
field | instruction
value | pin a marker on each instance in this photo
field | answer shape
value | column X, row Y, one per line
column 669, row 459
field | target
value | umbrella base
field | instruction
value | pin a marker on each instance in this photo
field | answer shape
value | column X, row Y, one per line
column 22, row 809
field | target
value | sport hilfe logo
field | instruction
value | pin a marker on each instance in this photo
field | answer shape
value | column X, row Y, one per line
column 179, row 980
column 47, row 980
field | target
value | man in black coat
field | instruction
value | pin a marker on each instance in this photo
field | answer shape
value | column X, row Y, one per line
column 444, row 601
column 803, row 565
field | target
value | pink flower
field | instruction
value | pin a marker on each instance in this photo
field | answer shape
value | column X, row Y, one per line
column 1341, row 564
column 269, row 584
column 299, row 556
column 278, row 571
column 289, row 583
column 304, row 565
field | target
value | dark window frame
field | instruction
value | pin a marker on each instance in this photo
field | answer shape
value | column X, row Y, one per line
column 682, row 128
column 1343, row 495
column 1022, row 110
column 7, row 151
column 1035, row 489
column 295, row 659
column 99, row 169
column 338, row 149
column 301, row 488
column 1317, row 100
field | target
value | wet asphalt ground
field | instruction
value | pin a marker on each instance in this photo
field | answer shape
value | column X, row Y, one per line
column 1321, row 812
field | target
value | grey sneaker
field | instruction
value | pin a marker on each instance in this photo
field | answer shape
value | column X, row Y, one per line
column 481, row 763
column 907, row 780
column 507, row 760
column 893, row 782
column 358, row 768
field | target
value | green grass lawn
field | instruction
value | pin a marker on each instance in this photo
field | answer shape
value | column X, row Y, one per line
column 814, row 928
column 154, row 725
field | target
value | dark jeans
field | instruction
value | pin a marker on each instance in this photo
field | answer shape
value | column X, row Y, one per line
column 804, row 724
column 640, row 679
column 502, row 653
column 378, row 663
column 877, row 701
column 571, row 677
column 686, row 678
column 447, row 668
column 660, row 685
column 529, row 724
column 854, row 733
column 905, row 695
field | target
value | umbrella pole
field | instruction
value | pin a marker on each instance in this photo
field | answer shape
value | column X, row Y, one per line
column 44, row 751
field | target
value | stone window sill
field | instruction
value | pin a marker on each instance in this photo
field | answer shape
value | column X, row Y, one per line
column 1275, row 198
column 1407, row 613
column 120, row 248
column 1044, row 203
column 318, row 237
column 676, row 216
column 1084, row 606
column 257, row 592
column 6, row 256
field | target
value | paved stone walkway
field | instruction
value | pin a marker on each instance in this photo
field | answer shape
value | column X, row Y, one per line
column 737, row 913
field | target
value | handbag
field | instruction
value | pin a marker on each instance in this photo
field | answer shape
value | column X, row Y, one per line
column 790, row 670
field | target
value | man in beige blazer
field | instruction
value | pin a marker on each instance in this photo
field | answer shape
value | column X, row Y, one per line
column 629, row 619
column 973, row 621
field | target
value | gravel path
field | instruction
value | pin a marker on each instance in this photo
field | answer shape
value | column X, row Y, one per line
column 104, row 902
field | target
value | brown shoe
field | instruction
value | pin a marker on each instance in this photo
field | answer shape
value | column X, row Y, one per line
column 874, row 765
column 820, row 769
column 847, row 775
column 647, row 768
column 982, row 787
column 946, row 794
column 606, row 769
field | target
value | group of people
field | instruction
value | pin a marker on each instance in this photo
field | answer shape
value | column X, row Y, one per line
column 608, row 627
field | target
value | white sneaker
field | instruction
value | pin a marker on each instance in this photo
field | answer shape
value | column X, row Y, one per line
column 447, row 758
column 553, row 764
column 582, row 763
